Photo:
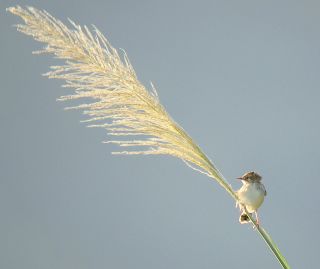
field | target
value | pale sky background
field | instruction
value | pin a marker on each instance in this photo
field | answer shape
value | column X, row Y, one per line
column 241, row 77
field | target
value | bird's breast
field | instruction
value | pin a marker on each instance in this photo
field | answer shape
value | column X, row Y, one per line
column 251, row 196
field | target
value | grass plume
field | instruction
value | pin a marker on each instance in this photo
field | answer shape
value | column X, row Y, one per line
column 118, row 103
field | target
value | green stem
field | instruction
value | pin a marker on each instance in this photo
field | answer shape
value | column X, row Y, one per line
column 271, row 244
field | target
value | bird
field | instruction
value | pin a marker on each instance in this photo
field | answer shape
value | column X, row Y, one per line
column 250, row 196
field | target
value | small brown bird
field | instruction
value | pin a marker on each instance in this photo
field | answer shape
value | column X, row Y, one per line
column 251, row 195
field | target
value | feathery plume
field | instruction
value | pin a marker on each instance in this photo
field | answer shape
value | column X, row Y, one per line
column 119, row 102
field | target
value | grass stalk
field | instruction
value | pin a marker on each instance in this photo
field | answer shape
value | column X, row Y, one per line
column 119, row 102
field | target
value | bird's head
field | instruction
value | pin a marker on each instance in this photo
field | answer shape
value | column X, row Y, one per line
column 251, row 177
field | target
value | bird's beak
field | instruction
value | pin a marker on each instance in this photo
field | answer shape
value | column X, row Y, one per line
column 239, row 178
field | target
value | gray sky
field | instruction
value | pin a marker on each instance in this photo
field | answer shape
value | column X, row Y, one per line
column 241, row 77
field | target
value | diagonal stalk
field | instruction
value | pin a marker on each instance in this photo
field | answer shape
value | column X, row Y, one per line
column 94, row 69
